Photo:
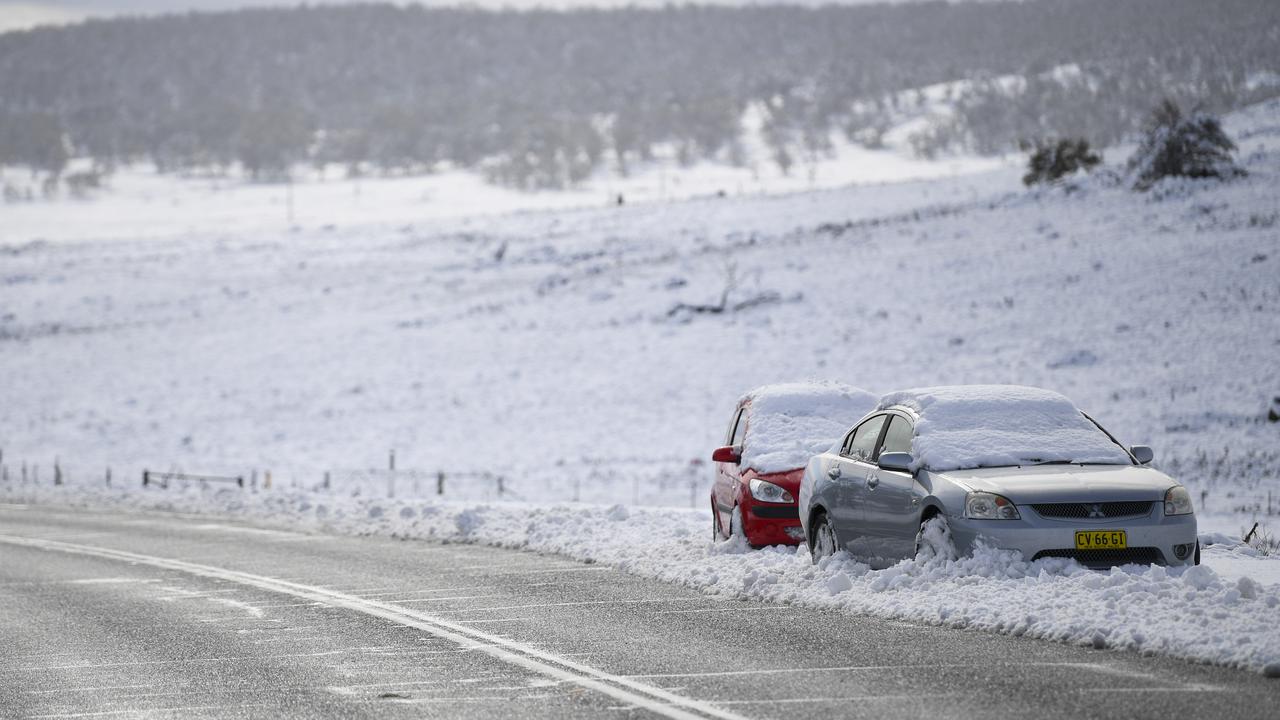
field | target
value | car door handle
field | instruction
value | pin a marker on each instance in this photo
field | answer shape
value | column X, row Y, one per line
column 833, row 472
column 872, row 481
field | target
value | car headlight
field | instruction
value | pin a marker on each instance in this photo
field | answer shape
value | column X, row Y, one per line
column 989, row 506
column 1177, row 501
column 768, row 492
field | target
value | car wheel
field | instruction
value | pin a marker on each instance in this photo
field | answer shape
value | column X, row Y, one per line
column 933, row 540
column 825, row 542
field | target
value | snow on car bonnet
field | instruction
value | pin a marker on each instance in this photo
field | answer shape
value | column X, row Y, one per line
column 789, row 423
column 970, row 426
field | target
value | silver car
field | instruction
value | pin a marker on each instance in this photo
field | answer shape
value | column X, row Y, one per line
column 937, row 470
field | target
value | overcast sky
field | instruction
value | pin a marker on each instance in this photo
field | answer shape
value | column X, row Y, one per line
column 29, row 13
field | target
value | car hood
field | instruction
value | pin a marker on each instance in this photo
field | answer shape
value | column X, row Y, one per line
column 1066, row 483
column 788, row 480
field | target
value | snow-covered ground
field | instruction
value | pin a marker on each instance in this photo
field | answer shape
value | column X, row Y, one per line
column 551, row 348
column 137, row 202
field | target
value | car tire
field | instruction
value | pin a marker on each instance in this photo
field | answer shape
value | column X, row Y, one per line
column 934, row 541
column 825, row 542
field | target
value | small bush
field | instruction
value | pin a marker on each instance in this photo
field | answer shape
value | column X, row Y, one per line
column 1178, row 145
column 1052, row 160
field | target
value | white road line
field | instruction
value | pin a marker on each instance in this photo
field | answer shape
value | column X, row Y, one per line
column 624, row 689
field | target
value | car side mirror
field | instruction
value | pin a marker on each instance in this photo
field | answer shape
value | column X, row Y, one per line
column 727, row 454
column 896, row 461
column 1143, row 454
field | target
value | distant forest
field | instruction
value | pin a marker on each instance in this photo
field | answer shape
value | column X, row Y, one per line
column 540, row 99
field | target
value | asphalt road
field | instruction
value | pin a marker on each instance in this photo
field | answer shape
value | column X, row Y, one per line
column 161, row 616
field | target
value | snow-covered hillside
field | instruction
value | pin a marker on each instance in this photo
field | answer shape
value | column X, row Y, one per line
column 138, row 202
column 564, row 352
column 528, row 340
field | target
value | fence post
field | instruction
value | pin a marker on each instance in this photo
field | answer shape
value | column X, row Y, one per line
column 440, row 482
column 240, row 480
column 108, row 476
column 146, row 478
column 326, row 479
column 57, row 472
column 391, row 463
column 266, row 479
column 24, row 472
column 499, row 486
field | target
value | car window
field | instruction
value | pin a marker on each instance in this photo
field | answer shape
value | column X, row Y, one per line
column 739, row 428
column 898, row 437
column 864, row 438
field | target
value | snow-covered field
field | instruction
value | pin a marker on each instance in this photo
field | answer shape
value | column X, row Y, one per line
column 137, row 202
column 558, row 350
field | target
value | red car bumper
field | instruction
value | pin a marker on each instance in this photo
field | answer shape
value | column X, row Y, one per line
column 770, row 523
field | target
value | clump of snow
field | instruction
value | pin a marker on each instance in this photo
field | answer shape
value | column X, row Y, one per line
column 789, row 423
column 968, row 426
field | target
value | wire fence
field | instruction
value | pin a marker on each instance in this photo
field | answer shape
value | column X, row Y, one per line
column 639, row 480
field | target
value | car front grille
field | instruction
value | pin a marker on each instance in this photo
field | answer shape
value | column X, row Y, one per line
column 1090, row 511
column 786, row 512
column 1108, row 558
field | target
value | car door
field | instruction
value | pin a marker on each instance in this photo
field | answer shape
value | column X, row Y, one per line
column 727, row 473
column 849, row 482
column 891, row 502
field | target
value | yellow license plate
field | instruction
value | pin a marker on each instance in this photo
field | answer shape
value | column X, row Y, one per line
column 1101, row 540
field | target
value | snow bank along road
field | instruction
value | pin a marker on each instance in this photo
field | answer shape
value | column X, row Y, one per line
column 167, row 616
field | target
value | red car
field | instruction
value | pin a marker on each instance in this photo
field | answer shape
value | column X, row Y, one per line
column 774, row 431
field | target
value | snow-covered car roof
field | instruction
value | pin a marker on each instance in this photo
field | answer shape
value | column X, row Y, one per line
column 968, row 426
column 789, row 423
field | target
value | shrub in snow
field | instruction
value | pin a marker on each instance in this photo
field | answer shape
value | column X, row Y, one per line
column 1178, row 145
column 1052, row 160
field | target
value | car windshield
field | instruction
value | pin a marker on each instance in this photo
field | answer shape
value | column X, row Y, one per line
column 1000, row 426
